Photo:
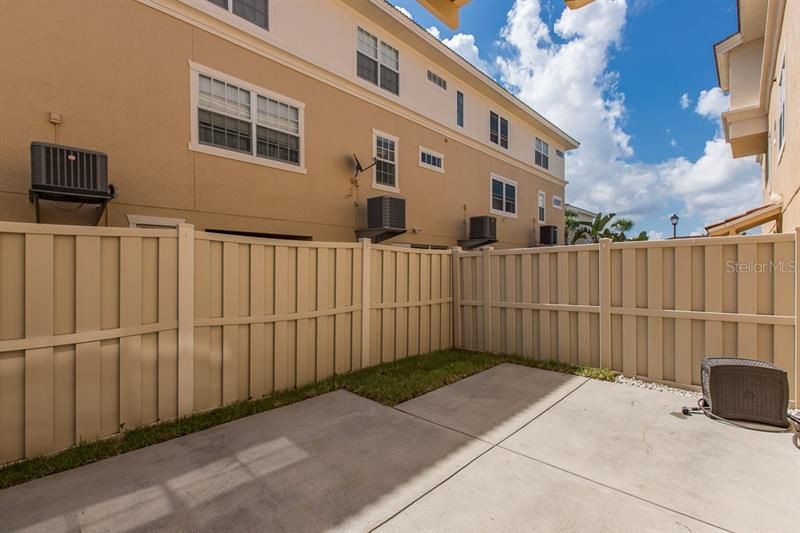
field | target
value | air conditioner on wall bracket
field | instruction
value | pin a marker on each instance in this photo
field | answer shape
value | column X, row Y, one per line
column 68, row 174
column 482, row 232
column 386, row 218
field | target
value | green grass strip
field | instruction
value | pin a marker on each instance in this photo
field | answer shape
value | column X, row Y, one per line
column 388, row 383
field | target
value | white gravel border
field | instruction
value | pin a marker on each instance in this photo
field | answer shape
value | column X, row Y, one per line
column 633, row 382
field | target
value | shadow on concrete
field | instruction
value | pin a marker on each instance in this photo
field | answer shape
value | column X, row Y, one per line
column 336, row 461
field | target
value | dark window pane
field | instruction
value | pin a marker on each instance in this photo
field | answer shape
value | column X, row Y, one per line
column 367, row 68
column 224, row 132
column 497, row 195
column 384, row 173
column 277, row 145
column 390, row 80
column 460, row 108
column 254, row 11
column 221, row 3
column 503, row 133
column 511, row 199
column 545, row 161
column 493, row 127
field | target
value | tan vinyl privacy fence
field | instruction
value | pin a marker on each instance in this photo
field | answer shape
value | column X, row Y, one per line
column 648, row 309
column 110, row 328
column 103, row 328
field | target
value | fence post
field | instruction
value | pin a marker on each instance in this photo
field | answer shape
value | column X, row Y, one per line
column 796, row 319
column 604, row 285
column 185, row 319
column 455, row 279
column 487, row 299
column 365, row 300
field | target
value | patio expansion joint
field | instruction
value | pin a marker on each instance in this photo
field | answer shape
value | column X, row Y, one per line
column 611, row 487
column 491, row 447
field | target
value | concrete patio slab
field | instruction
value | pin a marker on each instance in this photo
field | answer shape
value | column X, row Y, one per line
column 503, row 491
column 338, row 461
column 637, row 441
column 495, row 403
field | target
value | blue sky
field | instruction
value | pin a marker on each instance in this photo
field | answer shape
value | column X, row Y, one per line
column 612, row 75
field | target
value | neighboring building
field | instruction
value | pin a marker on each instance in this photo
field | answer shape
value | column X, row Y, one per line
column 243, row 115
column 584, row 216
column 759, row 66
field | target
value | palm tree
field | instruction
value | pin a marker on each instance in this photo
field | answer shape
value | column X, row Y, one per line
column 602, row 227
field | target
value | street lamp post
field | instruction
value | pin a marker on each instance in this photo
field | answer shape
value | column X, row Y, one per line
column 674, row 219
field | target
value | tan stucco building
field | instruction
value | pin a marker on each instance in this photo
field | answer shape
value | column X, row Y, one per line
column 758, row 66
column 243, row 115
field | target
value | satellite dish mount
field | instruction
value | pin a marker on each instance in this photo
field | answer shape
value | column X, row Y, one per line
column 359, row 168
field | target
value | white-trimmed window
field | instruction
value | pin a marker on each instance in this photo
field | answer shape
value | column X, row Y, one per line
column 255, row 11
column 782, row 106
column 378, row 62
column 560, row 154
column 430, row 159
column 542, row 203
column 237, row 120
column 385, row 153
column 503, row 196
column 558, row 203
column 541, row 153
column 498, row 129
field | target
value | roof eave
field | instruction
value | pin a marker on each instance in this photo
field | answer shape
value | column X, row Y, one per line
column 570, row 143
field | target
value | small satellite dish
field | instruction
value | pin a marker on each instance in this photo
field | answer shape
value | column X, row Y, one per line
column 358, row 168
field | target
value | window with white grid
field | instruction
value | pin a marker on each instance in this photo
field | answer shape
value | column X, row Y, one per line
column 232, row 116
column 377, row 62
column 255, row 11
column 223, row 115
column 503, row 196
column 542, row 153
column 278, row 131
column 385, row 160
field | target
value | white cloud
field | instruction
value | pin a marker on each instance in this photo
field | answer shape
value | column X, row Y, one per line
column 563, row 73
column 685, row 101
column 656, row 235
column 404, row 11
column 673, row 143
column 711, row 103
column 464, row 45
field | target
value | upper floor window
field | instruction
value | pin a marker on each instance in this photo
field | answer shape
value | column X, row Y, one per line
column 460, row 108
column 385, row 147
column 431, row 160
column 438, row 80
column 498, row 129
column 560, row 154
column 503, row 196
column 542, row 153
column 378, row 62
column 542, row 202
column 249, row 121
column 782, row 105
column 255, row 11
column 557, row 202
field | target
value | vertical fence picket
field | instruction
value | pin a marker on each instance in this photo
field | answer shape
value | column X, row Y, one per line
column 87, row 355
column 655, row 341
column 39, row 416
